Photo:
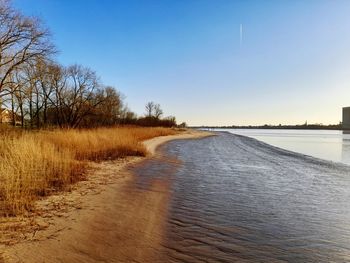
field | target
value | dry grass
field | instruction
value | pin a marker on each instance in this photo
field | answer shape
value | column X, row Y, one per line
column 34, row 164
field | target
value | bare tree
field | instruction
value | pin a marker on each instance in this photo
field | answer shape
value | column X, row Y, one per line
column 157, row 111
column 107, row 108
column 153, row 110
column 21, row 40
column 20, row 96
column 44, row 70
column 50, row 94
column 29, row 87
column 149, row 108
column 78, row 97
column 58, row 79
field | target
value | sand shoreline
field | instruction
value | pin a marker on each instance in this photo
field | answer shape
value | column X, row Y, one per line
column 78, row 227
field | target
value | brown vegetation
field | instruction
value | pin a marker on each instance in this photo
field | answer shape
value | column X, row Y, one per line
column 34, row 164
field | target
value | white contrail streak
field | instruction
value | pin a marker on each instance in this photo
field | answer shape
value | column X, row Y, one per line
column 240, row 34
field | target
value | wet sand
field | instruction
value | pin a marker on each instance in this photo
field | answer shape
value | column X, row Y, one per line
column 108, row 218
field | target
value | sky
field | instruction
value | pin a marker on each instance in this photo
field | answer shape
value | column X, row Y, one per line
column 211, row 62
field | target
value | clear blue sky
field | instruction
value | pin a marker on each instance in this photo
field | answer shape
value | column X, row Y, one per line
column 293, row 63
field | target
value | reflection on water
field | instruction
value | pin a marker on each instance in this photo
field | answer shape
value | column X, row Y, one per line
column 324, row 144
column 345, row 157
column 235, row 199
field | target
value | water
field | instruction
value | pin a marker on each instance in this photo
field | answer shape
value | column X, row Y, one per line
column 324, row 144
column 236, row 199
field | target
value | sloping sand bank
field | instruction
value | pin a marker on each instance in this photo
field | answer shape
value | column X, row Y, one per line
column 104, row 219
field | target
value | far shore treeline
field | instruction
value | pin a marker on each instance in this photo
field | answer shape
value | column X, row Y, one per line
column 39, row 92
column 291, row 127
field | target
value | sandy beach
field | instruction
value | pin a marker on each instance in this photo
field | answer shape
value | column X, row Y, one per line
column 102, row 219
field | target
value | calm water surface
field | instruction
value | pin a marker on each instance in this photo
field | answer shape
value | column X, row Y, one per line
column 236, row 199
column 324, row 144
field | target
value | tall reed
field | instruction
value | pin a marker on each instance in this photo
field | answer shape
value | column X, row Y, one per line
column 34, row 164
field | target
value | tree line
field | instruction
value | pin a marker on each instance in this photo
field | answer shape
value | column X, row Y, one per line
column 40, row 92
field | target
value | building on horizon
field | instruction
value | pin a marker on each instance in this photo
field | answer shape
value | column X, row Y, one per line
column 346, row 118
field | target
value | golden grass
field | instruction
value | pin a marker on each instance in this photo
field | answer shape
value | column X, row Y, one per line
column 34, row 164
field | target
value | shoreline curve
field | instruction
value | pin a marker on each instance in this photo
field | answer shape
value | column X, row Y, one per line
column 82, row 225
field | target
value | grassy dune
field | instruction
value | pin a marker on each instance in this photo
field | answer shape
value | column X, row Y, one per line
column 34, row 164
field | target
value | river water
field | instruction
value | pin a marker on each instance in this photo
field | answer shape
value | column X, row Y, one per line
column 237, row 199
column 324, row 144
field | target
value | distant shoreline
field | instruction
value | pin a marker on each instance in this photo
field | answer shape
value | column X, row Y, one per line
column 278, row 127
